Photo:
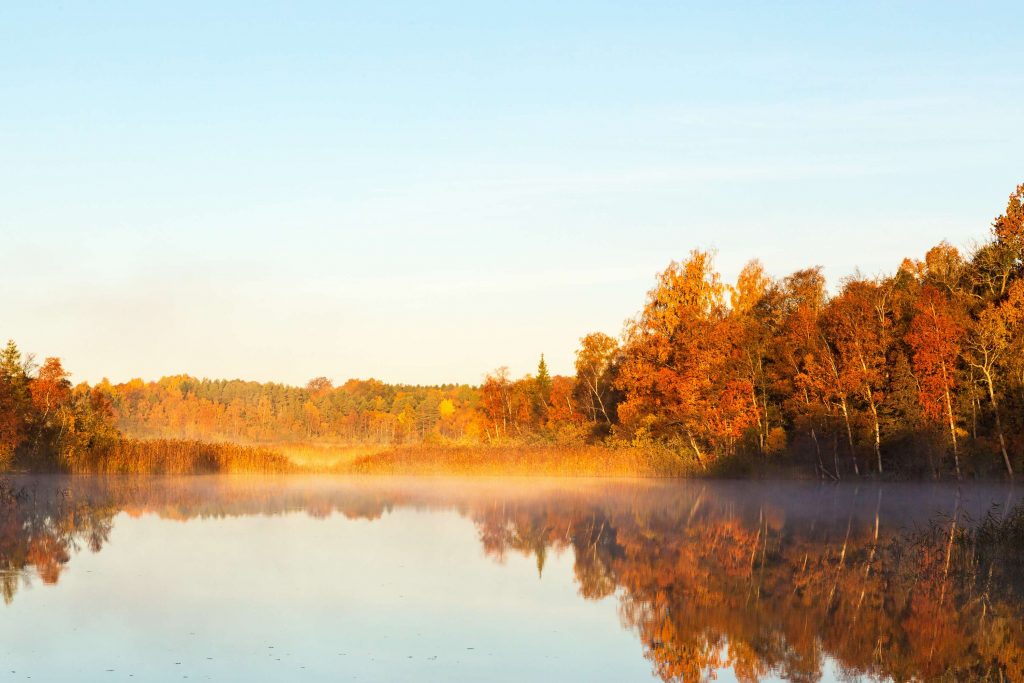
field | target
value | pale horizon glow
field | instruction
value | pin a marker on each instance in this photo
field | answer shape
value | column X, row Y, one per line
column 421, row 193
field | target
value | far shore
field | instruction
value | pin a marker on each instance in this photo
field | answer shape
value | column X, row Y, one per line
column 190, row 457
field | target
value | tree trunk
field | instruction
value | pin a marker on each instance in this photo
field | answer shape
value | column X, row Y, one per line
column 952, row 421
column 817, row 446
column 696, row 451
column 842, row 403
column 757, row 411
column 764, row 398
column 878, row 432
column 849, row 433
column 999, row 423
column 874, row 412
column 600, row 402
column 974, row 407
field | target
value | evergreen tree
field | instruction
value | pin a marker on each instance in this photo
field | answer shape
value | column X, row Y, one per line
column 543, row 381
column 15, row 403
column 10, row 363
column 541, row 393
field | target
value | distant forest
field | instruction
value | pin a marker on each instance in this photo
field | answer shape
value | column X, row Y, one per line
column 919, row 372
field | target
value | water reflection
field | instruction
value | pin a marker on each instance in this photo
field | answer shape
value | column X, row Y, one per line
column 763, row 579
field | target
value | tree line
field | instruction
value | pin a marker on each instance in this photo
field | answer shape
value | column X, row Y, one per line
column 919, row 372
column 45, row 420
column 46, row 424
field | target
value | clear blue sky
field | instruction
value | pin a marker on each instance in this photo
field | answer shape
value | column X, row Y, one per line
column 423, row 191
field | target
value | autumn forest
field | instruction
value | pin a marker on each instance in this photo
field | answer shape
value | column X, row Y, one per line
column 917, row 373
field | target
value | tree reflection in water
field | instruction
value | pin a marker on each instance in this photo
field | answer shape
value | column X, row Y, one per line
column 890, row 581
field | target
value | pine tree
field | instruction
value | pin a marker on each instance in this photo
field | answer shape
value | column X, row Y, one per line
column 540, row 393
column 15, row 403
column 10, row 362
column 543, row 381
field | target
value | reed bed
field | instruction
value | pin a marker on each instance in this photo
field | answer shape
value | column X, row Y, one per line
column 326, row 457
column 169, row 456
column 581, row 461
column 180, row 457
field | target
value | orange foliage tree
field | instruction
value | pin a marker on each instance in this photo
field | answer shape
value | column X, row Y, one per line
column 681, row 375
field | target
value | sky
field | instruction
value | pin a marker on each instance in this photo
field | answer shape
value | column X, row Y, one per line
column 422, row 192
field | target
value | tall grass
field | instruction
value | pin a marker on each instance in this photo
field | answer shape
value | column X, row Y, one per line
column 318, row 457
column 169, row 456
column 583, row 461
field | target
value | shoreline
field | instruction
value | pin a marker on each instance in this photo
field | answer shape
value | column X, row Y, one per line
column 194, row 458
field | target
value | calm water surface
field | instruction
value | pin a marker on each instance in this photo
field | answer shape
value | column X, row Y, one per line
column 301, row 579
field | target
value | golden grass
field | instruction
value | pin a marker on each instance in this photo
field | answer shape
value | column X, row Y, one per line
column 314, row 457
column 562, row 461
column 170, row 456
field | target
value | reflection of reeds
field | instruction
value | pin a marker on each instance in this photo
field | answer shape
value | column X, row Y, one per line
column 992, row 550
column 9, row 495
column 1000, row 534
column 975, row 547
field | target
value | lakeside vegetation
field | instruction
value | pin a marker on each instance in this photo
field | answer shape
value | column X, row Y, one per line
column 573, row 460
column 919, row 373
column 174, row 456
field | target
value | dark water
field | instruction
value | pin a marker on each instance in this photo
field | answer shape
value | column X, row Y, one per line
column 302, row 579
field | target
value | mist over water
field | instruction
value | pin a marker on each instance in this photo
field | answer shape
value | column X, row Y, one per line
column 308, row 579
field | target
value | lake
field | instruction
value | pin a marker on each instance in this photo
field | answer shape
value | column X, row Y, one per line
column 334, row 579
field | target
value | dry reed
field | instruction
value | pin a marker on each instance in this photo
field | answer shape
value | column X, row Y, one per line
column 168, row 456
